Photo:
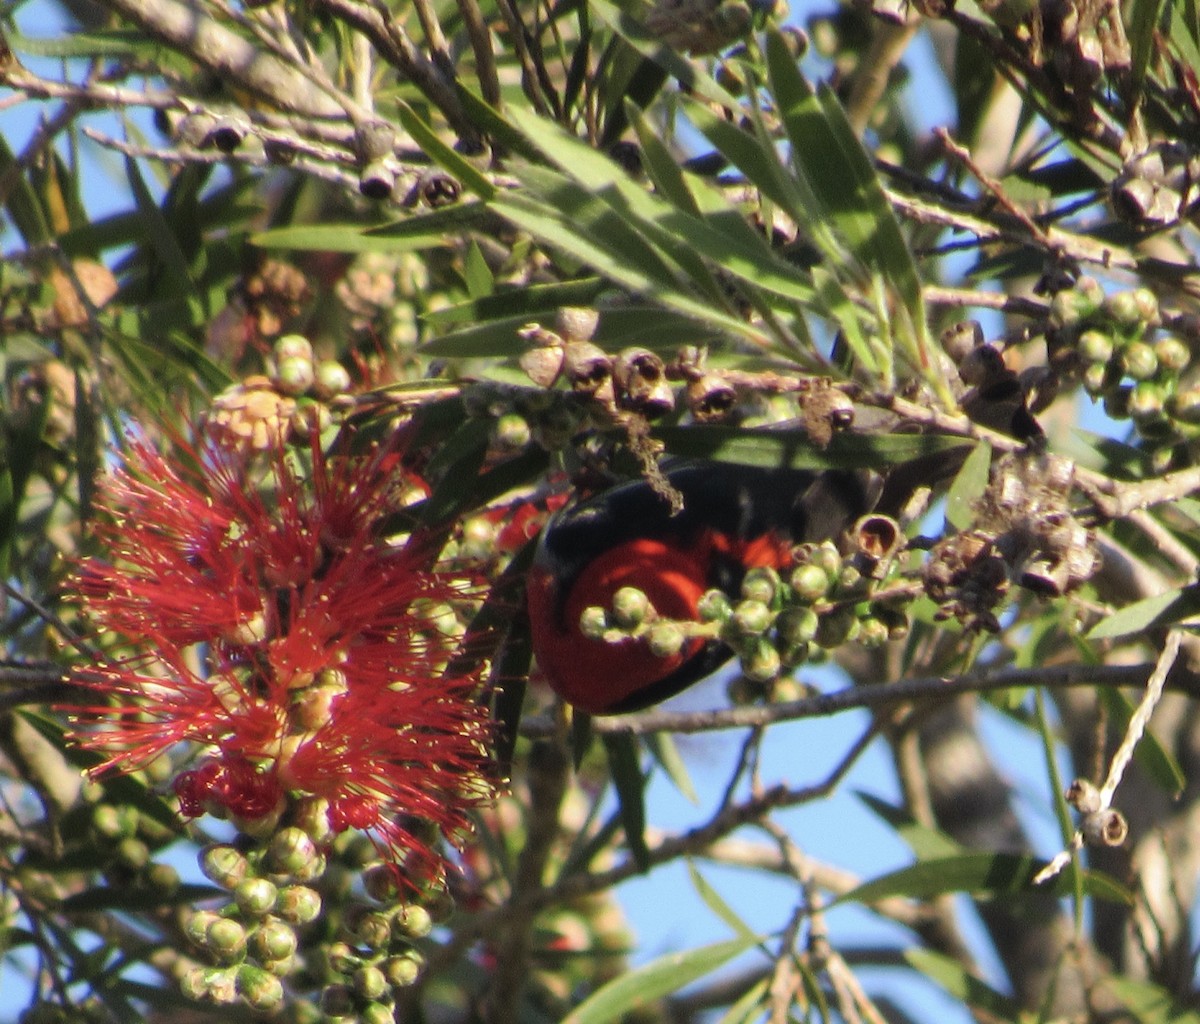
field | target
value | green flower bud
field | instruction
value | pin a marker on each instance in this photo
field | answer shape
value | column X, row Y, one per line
column 809, row 582
column 412, row 921
column 377, row 1013
column 1124, row 309
column 372, row 930
column 194, row 984
column 332, row 378
column 848, row 578
column 1146, row 403
column 1173, row 353
column 403, row 970
column 763, row 663
column 337, row 1001
column 163, row 879
column 284, row 967
column 298, row 904
column 666, row 639
column 1099, row 378
column 827, row 557
column 255, row 897
column 342, row 958
column 1185, row 405
column 630, row 607
column 750, row 618
column 370, row 983
column 742, row 691
column 226, row 939
column 261, row 989
column 795, row 655
column 1139, row 361
column 312, row 817
column 797, row 625
column 872, row 633
column 196, row 925
column 114, row 822
column 1095, row 346
column 761, row 584
column 295, row 376
column 511, row 432
column 714, row 606
column 273, row 939
column 293, row 346
column 1147, row 305
column 380, row 883
column 1078, row 303
column 292, row 853
column 837, row 628
column 593, row 623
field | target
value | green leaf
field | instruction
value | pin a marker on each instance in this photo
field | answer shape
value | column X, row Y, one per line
column 161, row 235
column 1164, row 609
column 451, row 162
column 791, row 449
column 113, row 43
column 655, row 980
column 926, row 843
column 997, row 874
column 21, row 200
column 346, row 238
column 968, row 487
column 1142, row 18
column 962, row 985
column 630, row 785
column 663, row 749
column 118, row 897
column 478, row 274
column 712, row 899
column 1149, row 1003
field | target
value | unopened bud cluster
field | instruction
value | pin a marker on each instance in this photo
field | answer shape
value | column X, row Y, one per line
column 1124, row 357
column 377, row 950
column 779, row 621
column 261, row 412
column 253, row 940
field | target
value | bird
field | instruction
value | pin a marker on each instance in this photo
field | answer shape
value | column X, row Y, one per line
column 733, row 518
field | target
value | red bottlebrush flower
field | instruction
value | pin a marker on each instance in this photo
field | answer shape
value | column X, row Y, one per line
column 270, row 623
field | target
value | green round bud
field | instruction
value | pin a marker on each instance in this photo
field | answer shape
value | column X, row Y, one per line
column 412, row 921
column 370, row 982
column 194, row 984
column 342, row 958
column 809, row 582
column 298, row 904
column 1185, row 405
column 1078, row 303
column 332, row 378
column 797, row 625
column 763, row 663
column 714, row 606
column 196, row 925
column 293, row 346
column 666, row 639
column 1123, row 309
column 380, row 883
column 750, row 618
column 838, row 627
column 114, row 822
column 377, row 1013
column 593, row 623
column 826, row 556
column 1139, row 361
column 403, row 970
column 511, row 432
column 373, row 930
column 742, row 692
column 761, row 584
column 261, row 989
column 312, row 817
column 1146, row 403
column 630, row 607
column 873, row 633
column 795, row 655
column 284, row 967
column 1173, row 353
column 255, row 897
column 163, row 879
column 1147, row 305
column 133, row 853
column 848, row 578
column 337, row 1001
column 1099, row 378
column 273, row 939
column 1095, row 346
column 292, row 853
column 295, row 376
column 226, row 939
column 1117, row 403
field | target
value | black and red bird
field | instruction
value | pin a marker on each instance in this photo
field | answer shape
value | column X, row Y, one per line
column 734, row 518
